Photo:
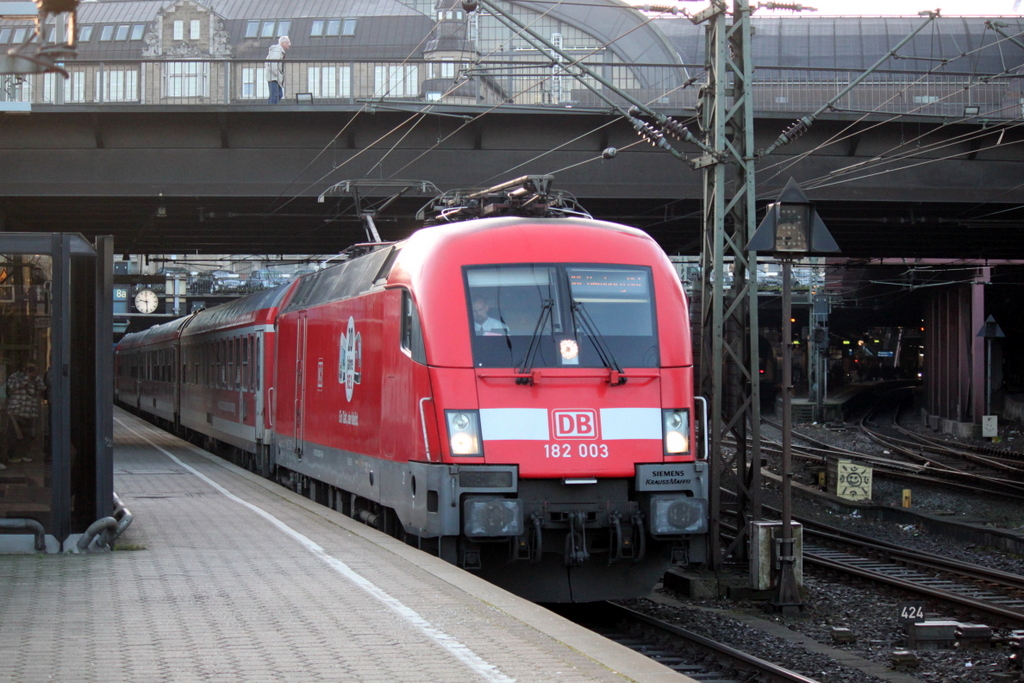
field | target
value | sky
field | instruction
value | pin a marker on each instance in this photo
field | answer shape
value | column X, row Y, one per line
column 877, row 8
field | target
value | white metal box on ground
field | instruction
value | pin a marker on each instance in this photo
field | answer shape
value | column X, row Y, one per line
column 764, row 567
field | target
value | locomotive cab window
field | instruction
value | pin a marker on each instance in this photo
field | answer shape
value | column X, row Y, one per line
column 412, row 335
column 548, row 315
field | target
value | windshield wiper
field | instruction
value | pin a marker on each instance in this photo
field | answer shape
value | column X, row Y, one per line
column 531, row 351
column 600, row 344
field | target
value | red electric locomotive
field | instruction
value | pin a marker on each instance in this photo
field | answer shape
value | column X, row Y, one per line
column 514, row 394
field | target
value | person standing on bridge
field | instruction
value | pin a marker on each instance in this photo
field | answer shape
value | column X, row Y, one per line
column 275, row 68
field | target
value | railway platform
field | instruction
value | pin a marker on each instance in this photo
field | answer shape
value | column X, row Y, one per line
column 226, row 576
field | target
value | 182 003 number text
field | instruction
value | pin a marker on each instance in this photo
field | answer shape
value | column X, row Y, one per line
column 580, row 450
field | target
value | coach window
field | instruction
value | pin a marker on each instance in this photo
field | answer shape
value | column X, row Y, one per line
column 245, row 363
column 230, row 374
column 238, row 362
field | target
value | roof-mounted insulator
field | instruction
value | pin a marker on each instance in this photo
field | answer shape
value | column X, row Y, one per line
column 796, row 130
column 785, row 5
column 675, row 129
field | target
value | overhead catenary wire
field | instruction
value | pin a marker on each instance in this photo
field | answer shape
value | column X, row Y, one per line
column 848, row 130
column 417, row 119
column 418, row 116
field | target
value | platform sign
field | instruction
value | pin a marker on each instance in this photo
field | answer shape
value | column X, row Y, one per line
column 989, row 426
column 853, row 482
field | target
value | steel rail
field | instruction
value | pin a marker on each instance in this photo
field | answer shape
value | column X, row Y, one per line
column 767, row 671
column 845, row 565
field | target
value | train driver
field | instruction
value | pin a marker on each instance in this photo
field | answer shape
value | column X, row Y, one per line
column 484, row 324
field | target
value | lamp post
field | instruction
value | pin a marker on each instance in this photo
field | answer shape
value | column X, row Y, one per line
column 791, row 229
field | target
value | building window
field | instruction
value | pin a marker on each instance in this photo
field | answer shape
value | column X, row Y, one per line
column 254, row 84
column 316, row 31
column 268, row 29
column 179, row 30
column 329, row 82
column 283, row 27
column 83, row 36
column 333, row 27
column 399, row 80
column 187, row 79
column 138, row 30
column 14, row 90
column 5, row 35
column 117, row 86
column 348, row 27
column 107, row 33
column 74, row 87
column 122, row 32
column 193, row 30
column 19, row 35
column 252, row 29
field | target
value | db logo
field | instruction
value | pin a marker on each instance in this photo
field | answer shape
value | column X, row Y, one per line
column 575, row 424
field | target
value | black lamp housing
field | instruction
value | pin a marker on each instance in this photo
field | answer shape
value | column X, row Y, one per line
column 792, row 228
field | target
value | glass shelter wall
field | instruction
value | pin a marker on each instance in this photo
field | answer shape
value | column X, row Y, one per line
column 26, row 281
column 55, row 395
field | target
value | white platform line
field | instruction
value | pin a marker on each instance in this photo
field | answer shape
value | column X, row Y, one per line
column 487, row 671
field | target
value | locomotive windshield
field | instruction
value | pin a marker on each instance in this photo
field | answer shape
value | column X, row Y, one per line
column 553, row 315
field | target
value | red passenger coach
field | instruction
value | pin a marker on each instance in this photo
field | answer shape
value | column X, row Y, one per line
column 227, row 375
column 514, row 394
column 145, row 371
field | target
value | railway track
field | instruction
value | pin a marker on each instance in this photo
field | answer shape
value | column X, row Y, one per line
column 983, row 591
column 919, row 458
column 678, row 648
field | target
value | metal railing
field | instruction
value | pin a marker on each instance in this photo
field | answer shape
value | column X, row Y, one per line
column 536, row 84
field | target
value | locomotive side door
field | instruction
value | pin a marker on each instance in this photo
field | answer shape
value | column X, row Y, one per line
column 300, row 383
column 256, row 382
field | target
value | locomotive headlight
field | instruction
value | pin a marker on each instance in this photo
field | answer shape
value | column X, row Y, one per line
column 675, row 515
column 484, row 517
column 676, row 430
column 464, row 432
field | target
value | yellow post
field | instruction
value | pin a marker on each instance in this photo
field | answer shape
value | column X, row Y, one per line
column 906, row 498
